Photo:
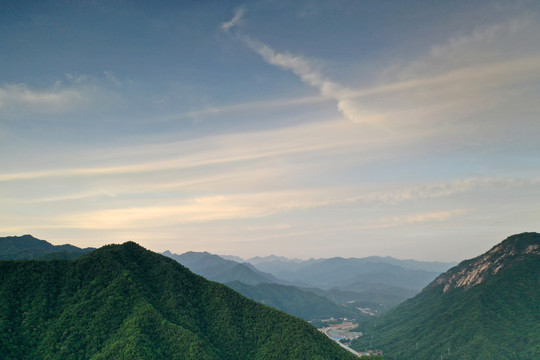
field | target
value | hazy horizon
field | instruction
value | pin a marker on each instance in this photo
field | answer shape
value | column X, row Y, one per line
column 304, row 129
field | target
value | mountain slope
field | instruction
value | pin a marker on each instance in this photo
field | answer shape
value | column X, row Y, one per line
column 484, row 308
column 125, row 302
column 28, row 247
column 215, row 268
column 302, row 303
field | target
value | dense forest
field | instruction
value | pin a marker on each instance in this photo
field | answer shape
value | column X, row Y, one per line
column 125, row 302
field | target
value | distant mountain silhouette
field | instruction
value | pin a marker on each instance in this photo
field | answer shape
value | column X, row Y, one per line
column 215, row 268
column 343, row 273
column 375, row 283
column 257, row 260
column 262, row 287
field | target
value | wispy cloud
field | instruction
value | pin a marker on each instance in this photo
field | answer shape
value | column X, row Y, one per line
column 453, row 80
column 206, row 152
column 124, row 212
column 304, row 70
column 237, row 17
column 312, row 77
column 512, row 39
column 54, row 100
column 74, row 94
column 257, row 106
column 195, row 210
column 153, row 166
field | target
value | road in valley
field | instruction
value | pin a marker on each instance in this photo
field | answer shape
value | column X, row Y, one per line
column 327, row 330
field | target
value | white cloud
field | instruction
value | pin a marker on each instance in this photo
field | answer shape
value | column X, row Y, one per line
column 110, row 77
column 55, row 100
column 238, row 15
column 312, row 77
column 512, row 39
column 462, row 78
column 205, row 152
column 254, row 106
column 75, row 94
column 191, row 211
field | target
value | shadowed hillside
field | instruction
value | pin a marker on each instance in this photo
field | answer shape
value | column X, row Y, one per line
column 484, row 308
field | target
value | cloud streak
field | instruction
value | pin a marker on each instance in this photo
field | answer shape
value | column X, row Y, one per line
column 237, row 17
column 458, row 77
column 304, row 70
column 310, row 76
column 20, row 96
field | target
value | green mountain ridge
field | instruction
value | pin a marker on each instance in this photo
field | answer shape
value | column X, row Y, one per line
column 125, row 302
column 28, row 247
column 483, row 308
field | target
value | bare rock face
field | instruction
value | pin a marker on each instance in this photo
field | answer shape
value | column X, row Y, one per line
column 475, row 271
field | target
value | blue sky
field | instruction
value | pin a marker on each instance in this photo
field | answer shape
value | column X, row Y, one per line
column 301, row 128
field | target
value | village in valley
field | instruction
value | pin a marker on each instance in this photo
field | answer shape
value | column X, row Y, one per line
column 342, row 332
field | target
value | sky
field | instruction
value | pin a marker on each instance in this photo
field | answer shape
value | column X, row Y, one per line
column 299, row 128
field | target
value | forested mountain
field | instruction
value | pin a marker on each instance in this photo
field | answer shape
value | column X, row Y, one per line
column 28, row 247
column 484, row 308
column 125, row 302
column 215, row 268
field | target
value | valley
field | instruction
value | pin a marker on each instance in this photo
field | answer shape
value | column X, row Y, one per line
column 342, row 333
column 318, row 288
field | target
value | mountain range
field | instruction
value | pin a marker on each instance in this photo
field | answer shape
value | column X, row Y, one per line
column 285, row 268
column 487, row 308
column 216, row 268
column 304, row 298
column 125, row 302
column 261, row 287
column 354, row 286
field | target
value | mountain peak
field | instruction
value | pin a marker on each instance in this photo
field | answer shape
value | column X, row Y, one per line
column 475, row 271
